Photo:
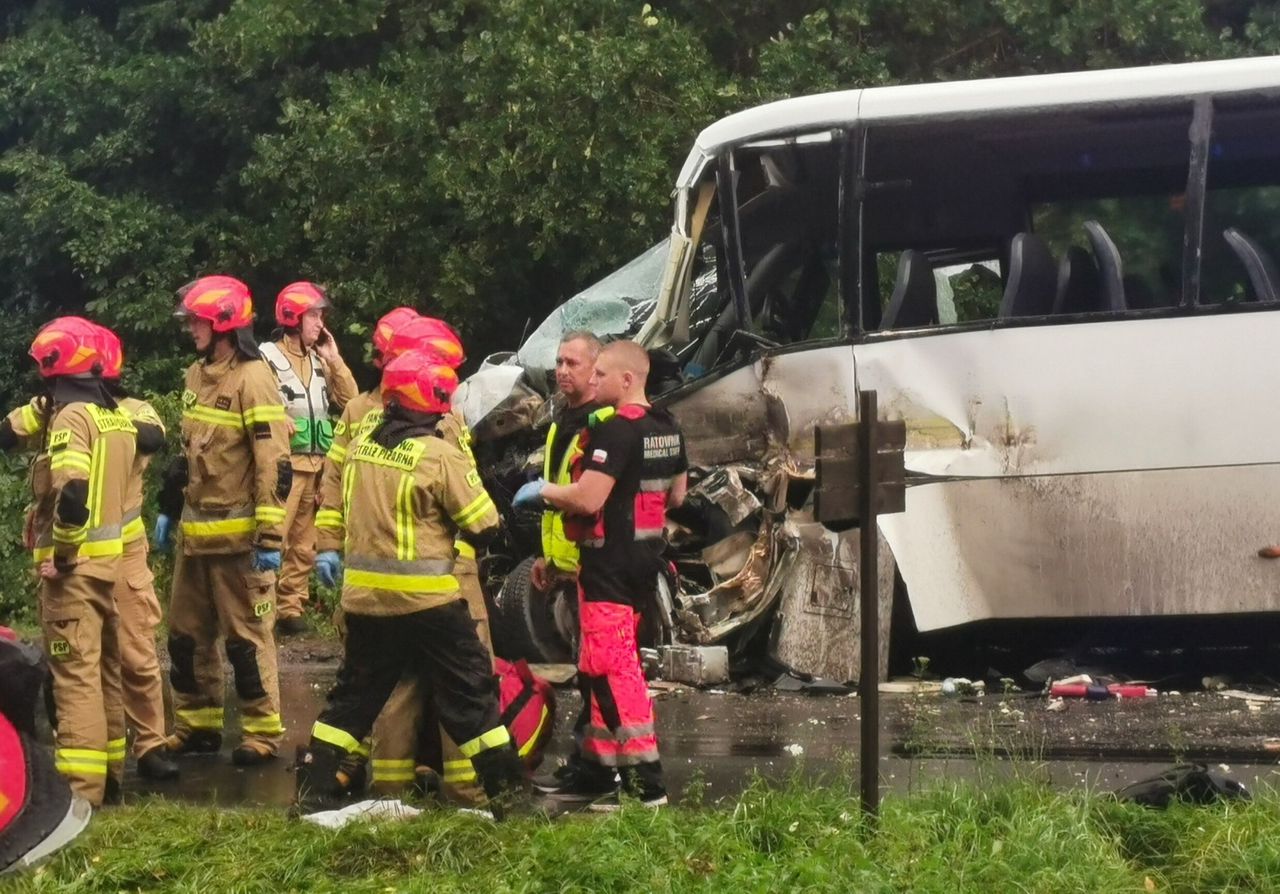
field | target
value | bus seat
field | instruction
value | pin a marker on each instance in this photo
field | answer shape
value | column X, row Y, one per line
column 1263, row 276
column 914, row 301
column 1110, row 267
column 1078, row 286
column 1033, row 278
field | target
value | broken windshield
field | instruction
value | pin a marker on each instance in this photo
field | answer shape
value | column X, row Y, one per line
column 615, row 306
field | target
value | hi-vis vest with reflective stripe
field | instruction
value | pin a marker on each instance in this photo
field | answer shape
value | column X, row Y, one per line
column 307, row 405
column 557, row 548
column 105, row 468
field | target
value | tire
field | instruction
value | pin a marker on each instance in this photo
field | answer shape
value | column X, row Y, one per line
column 533, row 625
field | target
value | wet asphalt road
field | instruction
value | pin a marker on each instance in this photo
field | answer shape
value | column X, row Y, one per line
column 722, row 740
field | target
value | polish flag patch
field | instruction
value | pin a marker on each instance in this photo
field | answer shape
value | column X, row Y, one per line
column 599, row 456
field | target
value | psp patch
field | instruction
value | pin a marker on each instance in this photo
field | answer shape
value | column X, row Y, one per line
column 261, row 609
column 59, row 648
column 473, row 478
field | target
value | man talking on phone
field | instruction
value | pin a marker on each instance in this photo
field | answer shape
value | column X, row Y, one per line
column 313, row 379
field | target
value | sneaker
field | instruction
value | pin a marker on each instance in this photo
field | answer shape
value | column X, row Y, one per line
column 295, row 626
column 549, row 782
column 156, row 764
column 195, row 741
column 612, row 802
column 578, row 786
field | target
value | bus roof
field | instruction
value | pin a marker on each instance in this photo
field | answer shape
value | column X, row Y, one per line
column 953, row 99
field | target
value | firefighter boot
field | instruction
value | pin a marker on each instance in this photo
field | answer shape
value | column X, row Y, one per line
column 504, row 779
column 317, row 785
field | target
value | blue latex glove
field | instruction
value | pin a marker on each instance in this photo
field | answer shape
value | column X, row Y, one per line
column 329, row 567
column 266, row 559
column 529, row 496
column 162, row 534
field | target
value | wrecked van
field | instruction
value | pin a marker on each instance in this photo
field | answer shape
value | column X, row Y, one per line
column 1062, row 283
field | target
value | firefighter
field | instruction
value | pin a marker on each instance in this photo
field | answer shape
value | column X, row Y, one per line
column 312, row 376
column 632, row 468
column 136, row 602
column 229, row 489
column 406, row 494
column 90, row 445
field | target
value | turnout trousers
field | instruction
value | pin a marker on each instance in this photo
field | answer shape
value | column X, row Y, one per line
column 80, row 624
column 294, row 586
column 407, row 733
column 141, row 681
column 221, row 598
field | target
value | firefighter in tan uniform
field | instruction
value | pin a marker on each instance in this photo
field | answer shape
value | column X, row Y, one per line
column 91, row 447
column 311, row 375
column 230, row 489
column 406, row 493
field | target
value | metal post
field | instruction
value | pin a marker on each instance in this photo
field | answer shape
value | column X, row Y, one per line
column 869, row 599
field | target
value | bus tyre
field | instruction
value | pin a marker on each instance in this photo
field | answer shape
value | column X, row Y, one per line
column 528, row 623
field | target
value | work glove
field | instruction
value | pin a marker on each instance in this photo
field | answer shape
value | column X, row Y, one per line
column 162, row 535
column 266, row 559
column 329, row 567
column 529, row 496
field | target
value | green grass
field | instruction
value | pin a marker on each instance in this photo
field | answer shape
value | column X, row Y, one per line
column 1017, row 836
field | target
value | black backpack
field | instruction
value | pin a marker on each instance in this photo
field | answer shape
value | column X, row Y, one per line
column 1190, row 783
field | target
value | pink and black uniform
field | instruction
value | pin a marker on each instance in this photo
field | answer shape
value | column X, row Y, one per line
column 642, row 450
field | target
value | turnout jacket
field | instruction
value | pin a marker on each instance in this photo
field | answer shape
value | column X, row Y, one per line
column 91, row 454
column 235, row 440
column 398, row 515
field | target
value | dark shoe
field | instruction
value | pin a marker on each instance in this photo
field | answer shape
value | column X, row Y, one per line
column 295, row 626
column 427, row 785
column 155, row 764
column 114, row 795
column 504, row 779
column 251, row 756
column 581, row 785
column 549, row 782
column 195, row 741
column 316, row 785
column 612, row 802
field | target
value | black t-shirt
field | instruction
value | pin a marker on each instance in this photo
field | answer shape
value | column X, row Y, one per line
column 643, row 451
column 569, row 421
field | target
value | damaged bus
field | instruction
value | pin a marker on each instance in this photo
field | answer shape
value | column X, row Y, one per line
column 1063, row 284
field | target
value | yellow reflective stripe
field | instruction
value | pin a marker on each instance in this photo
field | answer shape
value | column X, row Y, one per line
column 393, row 775
column 533, row 739
column 269, row 515
column 465, row 550
column 393, row 770
column 348, row 485
column 132, row 530
column 70, row 459
column 404, row 519
column 97, row 472
column 209, row 415
column 394, row 763
column 404, row 583
column 334, row 736
column 494, row 738
column 268, row 725
column 337, row 453
column 266, row 413
column 64, row 534
column 363, row 748
column 31, row 422
column 458, row 772
column 87, row 754
column 474, row 510
column 115, row 750
column 222, row 527
column 40, row 553
column 80, row 768
column 201, row 718
column 97, row 549
column 328, row 518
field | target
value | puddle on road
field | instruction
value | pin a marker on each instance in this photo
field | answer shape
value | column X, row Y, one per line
column 720, row 740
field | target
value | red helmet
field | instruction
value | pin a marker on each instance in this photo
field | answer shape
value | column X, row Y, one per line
column 112, row 353
column 418, row 382
column 222, row 300
column 296, row 299
column 69, row 346
column 430, row 336
column 387, row 326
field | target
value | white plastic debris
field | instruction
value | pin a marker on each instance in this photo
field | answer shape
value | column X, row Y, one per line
column 374, row 809
column 1057, row 705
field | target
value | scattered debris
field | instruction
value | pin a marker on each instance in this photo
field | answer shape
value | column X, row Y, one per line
column 695, row 665
column 1190, row 783
column 375, row 809
column 963, row 686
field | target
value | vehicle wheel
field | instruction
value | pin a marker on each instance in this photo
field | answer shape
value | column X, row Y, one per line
column 530, row 624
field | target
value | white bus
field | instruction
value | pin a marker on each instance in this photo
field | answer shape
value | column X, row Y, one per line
column 1062, row 283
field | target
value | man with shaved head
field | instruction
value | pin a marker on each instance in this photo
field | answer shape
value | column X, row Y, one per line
column 631, row 469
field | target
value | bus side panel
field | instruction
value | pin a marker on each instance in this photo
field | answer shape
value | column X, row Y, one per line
column 1125, row 468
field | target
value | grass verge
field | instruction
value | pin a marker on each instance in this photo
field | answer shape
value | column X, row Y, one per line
column 1017, row 836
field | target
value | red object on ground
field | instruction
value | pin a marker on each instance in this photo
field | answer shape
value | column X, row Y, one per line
column 1098, row 692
